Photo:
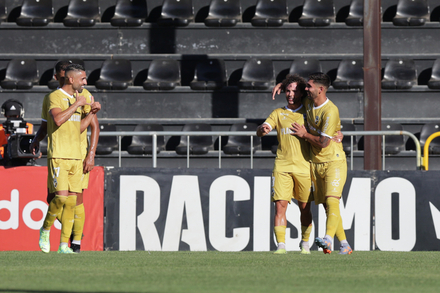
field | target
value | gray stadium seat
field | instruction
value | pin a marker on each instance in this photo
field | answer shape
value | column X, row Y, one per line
column 270, row 13
column 3, row 11
column 399, row 74
column 82, row 13
column 394, row 144
column 305, row 66
column 53, row 83
column 21, row 74
column 163, row 74
column 35, row 13
column 209, row 75
column 426, row 131
column 350, row 74
column 143, row 145
column 317, row 13
column 129, row 13
column 258, row 74
column 116, row 74
column 356, row 14
column 241, row 145
column 434, row 81
column 176, row 13
column 411, row 12
column 223, row 13
column 198, row 145
column 346, row 141
column 107, row 144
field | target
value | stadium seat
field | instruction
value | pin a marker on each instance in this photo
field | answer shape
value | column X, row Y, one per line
column 434, row 81
column 3, row 11
column 107, row 144
column 176, row 13
column 346, row 141
column 198, row 145
column 130, row 13
column 317, row 13
column 258, row 74
column 270, row 13
column 223, row 13
column 356, row 14
column 394, row 144
column 35, row 13
column 399, row 74
column 82, row 13
column 209, row 75
column 116, row 74
column 427, row 130
column 163, row 74
column 411, row 12
column 350, row 74
column 21, row 74
column 53, row 83
column 304, row 67
column 241, row 145
column 143, row 145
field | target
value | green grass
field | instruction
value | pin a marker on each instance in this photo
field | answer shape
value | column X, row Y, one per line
column 142, row 271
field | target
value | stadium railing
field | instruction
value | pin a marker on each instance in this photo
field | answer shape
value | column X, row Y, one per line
column 252, row 134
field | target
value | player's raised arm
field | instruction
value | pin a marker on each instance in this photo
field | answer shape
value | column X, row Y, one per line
column 276, row 91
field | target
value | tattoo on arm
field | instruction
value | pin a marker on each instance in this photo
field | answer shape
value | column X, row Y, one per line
column 324, row 140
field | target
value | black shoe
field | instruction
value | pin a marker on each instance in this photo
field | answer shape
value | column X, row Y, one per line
column 76, row 248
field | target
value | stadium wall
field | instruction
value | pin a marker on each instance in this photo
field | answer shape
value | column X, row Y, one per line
column 220, row 209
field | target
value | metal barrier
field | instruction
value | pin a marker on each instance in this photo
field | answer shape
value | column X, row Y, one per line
column 426, row 150
column 252, row 134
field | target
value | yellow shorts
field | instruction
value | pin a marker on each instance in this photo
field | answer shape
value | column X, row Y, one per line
column 85, row 180
column 328, row 179
column 64, row 174
column 287, row 185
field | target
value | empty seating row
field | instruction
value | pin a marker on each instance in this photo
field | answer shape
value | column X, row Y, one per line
column 241, row 145
column 210, row 74
column 222, row 13
column 198, row 145
column 394, row 144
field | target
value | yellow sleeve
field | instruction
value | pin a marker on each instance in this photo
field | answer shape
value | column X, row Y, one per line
column 331, row 122
column 272, row 119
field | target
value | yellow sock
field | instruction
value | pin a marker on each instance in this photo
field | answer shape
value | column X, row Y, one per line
column 305, row 232
column 60, row 214
column 55, row 206
column 280, row 233
column 333, row 216
column 78, row 224
column 340, row 232
column 67, row 219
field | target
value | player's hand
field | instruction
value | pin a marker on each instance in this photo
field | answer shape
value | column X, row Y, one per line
column 276, row 91
column 34, row 148
column 298, row 130
column 89, row 163
column 95, row 106
column 262, row 130
column 338, row 137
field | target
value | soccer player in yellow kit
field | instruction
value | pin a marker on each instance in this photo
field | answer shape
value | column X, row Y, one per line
column 291, row 172
column 329, row 166
column 65, row 167
column 88, row 154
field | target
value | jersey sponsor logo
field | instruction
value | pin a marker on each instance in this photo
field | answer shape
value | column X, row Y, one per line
column 286, row 130
column 75, row 118
column 336, row 183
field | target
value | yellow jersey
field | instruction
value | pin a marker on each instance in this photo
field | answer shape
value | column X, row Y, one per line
column 63, row 141
column 324, row 121
column 86, row 109
column 293, row 153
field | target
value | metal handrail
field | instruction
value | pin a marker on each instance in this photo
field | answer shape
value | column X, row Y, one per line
column 155, row 134
column 426, row 150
